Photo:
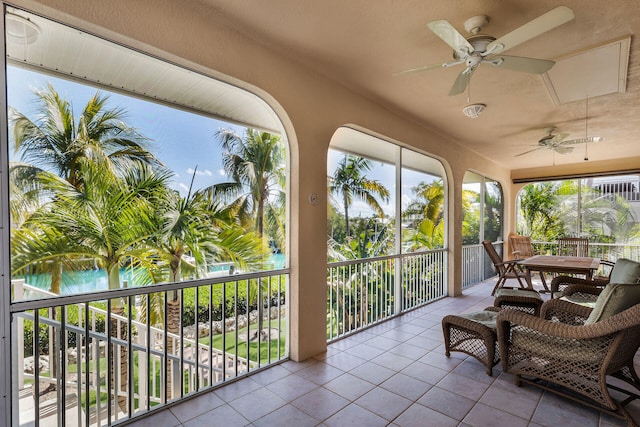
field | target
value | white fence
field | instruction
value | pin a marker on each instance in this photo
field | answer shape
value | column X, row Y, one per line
column 95, row 361
column 363, row 292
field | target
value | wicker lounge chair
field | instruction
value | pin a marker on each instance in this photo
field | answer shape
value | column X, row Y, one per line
column 622, row 271
column 577, row 348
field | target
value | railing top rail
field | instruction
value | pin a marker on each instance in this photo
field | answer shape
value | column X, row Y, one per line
column 20, row 306
column 383, row 258
column 626, row 245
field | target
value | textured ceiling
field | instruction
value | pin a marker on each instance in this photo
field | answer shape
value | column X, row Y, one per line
column 362, row 43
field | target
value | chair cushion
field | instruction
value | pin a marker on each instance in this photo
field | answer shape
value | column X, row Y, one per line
column 625, row 271
column 487, row 318
column 580, row 300
column 615, row 298
column 510, row 292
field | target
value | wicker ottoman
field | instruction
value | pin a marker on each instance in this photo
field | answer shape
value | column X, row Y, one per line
column 525, row 300
column 473, row 334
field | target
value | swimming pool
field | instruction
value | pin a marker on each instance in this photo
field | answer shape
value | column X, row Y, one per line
column 75, row 282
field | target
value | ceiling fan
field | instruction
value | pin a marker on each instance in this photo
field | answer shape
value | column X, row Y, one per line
column 559, row 142
column 479, row 48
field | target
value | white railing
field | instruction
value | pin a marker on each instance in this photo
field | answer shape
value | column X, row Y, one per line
column 473, row 270
column 627, row 187
column 111, row 356
column 363, row 292
column 606, row 251
column 476, row 265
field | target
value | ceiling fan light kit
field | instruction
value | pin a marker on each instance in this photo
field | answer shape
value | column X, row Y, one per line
column 473, row 110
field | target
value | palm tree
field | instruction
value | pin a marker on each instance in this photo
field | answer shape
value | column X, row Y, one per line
column 426, row 216
column 349, row 181
column 194, row 224
column 55, row 142
column 493, row 211
column 539, row 209
column 108, row 219
column 256, row 164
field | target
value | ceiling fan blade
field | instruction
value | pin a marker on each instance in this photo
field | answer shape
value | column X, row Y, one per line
column 461, row 82
column 583, row 140
column 530, row 151
column 518, row 63
column 542, row 24
column 450, row 35
column 428, row 67
column 559, row 138
column 562, row 149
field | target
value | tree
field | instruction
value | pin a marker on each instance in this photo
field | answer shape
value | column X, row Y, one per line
column 539, row 210
column 195, row 225
column 57, row 143
column 425, row 215
column 256, row 165
column 493, row 211
column 108, row 219
column 349, row 182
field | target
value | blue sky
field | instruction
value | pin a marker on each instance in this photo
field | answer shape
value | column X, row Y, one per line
column 181, row 140
column 385, row 174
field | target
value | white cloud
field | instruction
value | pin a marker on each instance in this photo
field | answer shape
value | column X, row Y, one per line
column 183, row 186
column 221, row 172
column 205, row 172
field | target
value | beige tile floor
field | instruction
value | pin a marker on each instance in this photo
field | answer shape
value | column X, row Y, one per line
column 393, row 374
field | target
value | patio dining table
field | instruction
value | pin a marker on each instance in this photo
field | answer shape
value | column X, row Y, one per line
column 559, row 264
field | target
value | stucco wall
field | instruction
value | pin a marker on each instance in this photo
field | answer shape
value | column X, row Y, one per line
column 311, row 106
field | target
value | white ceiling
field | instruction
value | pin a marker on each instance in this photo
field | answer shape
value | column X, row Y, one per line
column 362, row 43
column 66, row 52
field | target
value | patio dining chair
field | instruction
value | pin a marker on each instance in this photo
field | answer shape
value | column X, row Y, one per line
column 573, row 246
column 504, row 269
column 521, row 248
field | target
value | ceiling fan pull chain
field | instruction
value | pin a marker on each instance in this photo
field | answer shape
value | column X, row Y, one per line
column 586, row 129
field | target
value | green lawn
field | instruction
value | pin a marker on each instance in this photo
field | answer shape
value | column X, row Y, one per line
column 240, row 348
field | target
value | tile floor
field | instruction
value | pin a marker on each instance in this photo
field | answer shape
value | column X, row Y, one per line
column 393, row 374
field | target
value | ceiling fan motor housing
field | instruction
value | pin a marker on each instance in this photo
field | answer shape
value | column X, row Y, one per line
column 479, row 43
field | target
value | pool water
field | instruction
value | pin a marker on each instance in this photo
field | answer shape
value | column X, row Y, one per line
column 74, row 282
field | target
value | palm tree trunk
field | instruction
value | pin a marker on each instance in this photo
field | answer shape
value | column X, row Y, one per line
column 174, row 274
column 56, row 280
column 118, row 330
column 260, row 216
column 173, row 368
column 346, row 214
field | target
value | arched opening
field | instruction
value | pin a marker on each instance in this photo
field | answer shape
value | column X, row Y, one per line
column 148, row 226
column 483, row 211
column 386, row 231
